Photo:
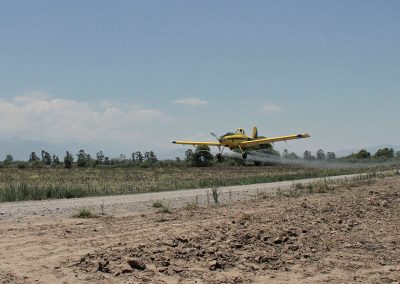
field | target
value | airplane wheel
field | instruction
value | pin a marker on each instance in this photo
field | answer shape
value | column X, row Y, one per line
column 219, row 157
column 244, row 155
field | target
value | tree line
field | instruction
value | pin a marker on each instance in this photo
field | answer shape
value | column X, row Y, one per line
column 381, row 155
column 82, row 159
column 200, row 156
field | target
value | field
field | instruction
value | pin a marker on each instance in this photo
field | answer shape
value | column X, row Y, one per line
column 342, row 232
column 52, row 183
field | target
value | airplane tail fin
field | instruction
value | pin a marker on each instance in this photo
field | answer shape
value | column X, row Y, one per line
column 255, row 133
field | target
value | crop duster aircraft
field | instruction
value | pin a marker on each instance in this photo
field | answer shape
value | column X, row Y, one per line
column 240, row 141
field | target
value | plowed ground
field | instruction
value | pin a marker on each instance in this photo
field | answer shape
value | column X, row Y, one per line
column 350, row 234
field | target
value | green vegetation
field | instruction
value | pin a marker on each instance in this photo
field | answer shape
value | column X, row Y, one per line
column 164, row 207
column 215, row 191
column 68, row 160
column 157, row 204
column 328, row 185
column 44, row 177
column 17, row 184
column 381, row 156
column 200, row 157
column 84, row 213
column 191, row 205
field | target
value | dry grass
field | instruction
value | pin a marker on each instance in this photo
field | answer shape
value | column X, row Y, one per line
column 51, row 183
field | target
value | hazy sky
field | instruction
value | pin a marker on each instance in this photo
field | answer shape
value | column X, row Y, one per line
column 149, row 72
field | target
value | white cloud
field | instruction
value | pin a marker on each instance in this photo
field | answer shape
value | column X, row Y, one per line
column 191, row 102
column 270, row 108
column 40, row 117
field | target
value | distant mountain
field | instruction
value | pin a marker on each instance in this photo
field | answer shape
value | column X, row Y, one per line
column 171, row 154
column 20, row 148
column 371, row 149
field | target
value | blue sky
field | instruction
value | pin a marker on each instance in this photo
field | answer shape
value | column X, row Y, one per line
column 128, row 72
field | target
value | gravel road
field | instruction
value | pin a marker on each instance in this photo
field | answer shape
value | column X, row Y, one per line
column 141, row 202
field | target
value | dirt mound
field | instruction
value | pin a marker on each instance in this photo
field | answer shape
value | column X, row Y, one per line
column 8, row 278
column 338, row 235
column 342, row 235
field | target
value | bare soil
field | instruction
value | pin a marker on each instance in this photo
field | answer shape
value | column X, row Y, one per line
column 350, row 234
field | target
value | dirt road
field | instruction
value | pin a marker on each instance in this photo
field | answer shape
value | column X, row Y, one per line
column 348, row 234
column 120, row 204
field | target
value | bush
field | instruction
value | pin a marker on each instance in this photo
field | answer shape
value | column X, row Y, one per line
column 157, row 204
column 215, row 194
column 22, row 165
column 84, row 213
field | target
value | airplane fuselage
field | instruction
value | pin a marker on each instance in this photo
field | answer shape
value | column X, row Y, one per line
column 240, row 141
column 233, row 140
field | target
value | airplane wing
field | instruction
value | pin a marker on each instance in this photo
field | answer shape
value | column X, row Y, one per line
column 197, row 143
column 273, row 139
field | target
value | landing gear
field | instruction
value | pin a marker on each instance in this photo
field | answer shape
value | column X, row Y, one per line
column 244, row 155
column 219, row 155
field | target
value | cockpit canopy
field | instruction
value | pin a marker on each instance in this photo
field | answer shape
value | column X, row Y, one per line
column 240, row 130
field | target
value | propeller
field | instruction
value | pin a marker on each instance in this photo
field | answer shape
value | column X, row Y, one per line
column 219, row 148
column 216, row 137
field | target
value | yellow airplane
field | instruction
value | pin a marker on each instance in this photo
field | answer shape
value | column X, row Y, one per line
column 239, row 140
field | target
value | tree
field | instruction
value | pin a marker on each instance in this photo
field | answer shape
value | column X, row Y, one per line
column 139, row 157
column 397, row 155
column 153, row 157
column 363, row 154
column 99, row 158
column 321, row 154
column 308, row 155
column 8, row 160
column 33, row 157
column 68, row 160
column 285, row 153
column 46, row 158
column 331, row 156
column 147, row 156
column 83, row 158
column 292, row 156
column 188, row 154
column 202, row 156
column 385, row 153
column 265, row 148
column 56, row 160
column 122, row 157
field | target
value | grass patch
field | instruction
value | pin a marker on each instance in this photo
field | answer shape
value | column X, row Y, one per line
column 19, row 184
column 84, row 213
column 215, row 192
column 157, row 204
column 191, row 205
column 329, row 185
column 164, row 207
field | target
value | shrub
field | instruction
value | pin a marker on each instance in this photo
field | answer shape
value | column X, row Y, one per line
column 215, row 194
column 157, row 204
column 84, row 213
